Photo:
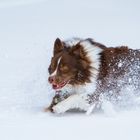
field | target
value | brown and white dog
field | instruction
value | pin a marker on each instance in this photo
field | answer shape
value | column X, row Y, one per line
column 82, row 70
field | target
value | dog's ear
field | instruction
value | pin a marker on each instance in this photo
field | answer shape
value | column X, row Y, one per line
column 78, row 51
column 58, row 46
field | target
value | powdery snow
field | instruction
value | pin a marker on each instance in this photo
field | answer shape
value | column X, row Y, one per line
column 27, row 33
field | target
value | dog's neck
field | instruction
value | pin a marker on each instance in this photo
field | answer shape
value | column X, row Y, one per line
column 93, row 54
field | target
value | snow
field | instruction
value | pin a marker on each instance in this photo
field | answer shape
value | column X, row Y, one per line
column 27, row 32
column 120, row 64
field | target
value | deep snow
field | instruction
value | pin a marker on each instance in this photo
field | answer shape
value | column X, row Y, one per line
column 27, row 32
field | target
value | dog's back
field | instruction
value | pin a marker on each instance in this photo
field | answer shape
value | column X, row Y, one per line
column 119, row 71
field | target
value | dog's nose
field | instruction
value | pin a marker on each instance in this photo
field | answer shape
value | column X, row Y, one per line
column 51, row 79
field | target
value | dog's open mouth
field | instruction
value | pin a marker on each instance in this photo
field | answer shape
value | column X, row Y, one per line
column 59, row 86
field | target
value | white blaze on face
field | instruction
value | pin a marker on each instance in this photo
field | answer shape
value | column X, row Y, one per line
column 55, row 72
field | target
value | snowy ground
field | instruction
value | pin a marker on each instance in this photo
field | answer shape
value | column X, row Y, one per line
column 27, row 32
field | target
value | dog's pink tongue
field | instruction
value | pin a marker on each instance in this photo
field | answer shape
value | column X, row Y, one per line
column 55, row 86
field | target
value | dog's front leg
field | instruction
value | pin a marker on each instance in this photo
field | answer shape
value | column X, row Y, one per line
column 74, row 101
column 56, row 99
column 53, row 103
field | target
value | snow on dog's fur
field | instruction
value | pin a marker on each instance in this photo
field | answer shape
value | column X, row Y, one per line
column 82, row 70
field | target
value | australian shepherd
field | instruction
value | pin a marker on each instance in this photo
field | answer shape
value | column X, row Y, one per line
column 82, row 71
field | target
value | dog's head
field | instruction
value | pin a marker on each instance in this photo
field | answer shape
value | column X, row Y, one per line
column 70, row 64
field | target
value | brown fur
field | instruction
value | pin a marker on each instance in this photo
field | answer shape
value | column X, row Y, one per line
column 116, row 64
column 74, row 64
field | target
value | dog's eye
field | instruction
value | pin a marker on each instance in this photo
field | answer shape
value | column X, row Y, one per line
column 64, row 68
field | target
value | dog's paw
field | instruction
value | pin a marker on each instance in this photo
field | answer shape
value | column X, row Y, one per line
column 48, row 109
column 59, row 109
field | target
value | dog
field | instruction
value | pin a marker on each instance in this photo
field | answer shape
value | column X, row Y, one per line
column 82, row 71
